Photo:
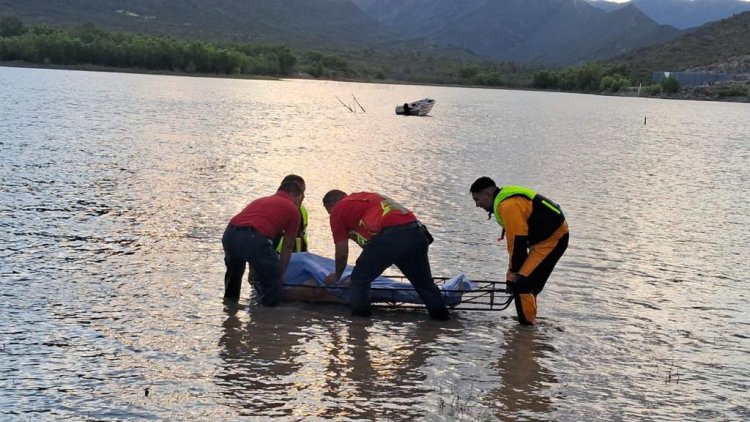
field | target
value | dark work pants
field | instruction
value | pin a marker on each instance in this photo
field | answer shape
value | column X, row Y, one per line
column 406, row 247
column 534, row 283
column 243, row 246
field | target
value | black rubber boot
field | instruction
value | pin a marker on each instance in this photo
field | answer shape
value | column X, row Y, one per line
column 440, row 314
column 361, row 312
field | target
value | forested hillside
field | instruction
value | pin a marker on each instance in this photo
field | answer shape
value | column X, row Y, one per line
column 719, row 46
column 86, row 45
column 551, row 32
column 683, row 14
column 299, row 22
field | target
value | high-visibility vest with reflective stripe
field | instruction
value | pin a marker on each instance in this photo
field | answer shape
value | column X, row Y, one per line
column 302, row 238
column 546, row 216
column 371, row 222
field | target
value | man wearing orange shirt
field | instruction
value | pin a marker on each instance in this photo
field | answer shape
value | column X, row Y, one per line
column 537, row 236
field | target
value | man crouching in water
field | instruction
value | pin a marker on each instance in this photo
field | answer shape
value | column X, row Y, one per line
column 537, row 237
column 388, row 234
column 249, row 239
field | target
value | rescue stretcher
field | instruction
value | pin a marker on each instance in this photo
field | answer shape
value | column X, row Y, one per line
column 306, row 274
column 484, row 295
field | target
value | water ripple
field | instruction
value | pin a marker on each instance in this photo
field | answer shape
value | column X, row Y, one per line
column 116, row 189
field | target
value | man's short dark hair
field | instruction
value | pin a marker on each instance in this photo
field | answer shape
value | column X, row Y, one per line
column 293, row 178
column 292, row 188
column 333, row 196
column 481, row 184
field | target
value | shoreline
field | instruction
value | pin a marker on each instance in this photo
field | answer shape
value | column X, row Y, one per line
column 685, row 94
column 107, row 69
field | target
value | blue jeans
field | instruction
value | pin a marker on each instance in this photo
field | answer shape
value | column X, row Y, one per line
column 405, row 246
column 244, row 245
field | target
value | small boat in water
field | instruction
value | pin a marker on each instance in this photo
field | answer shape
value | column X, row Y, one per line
column 416, row 108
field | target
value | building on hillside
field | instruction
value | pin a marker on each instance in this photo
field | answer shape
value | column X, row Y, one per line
column 688, row 79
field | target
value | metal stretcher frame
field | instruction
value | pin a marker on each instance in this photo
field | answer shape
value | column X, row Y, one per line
column 488, row 295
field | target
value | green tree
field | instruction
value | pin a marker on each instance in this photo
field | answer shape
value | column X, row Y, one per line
column 613, row 83
column 316, row 69
column 470, row 72
column 319, row 64
column 546, row 80
column 489, row 79
column 606, row 84
column 10, row 26
column 670, row 85
column 652, row 90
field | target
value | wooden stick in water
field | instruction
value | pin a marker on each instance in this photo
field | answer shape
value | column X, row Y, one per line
column 344, row 104
column 357, row 102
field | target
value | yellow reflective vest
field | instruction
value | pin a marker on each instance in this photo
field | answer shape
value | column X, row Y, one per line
column 300, row 243
column 546, row 216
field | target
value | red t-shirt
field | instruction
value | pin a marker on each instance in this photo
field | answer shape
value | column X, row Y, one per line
column 347, row 216
column 270, row 215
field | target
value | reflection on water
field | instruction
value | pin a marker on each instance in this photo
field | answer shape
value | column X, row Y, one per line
column 524, row 380
column 258, row 356
column 116, row 189
column 312, row 365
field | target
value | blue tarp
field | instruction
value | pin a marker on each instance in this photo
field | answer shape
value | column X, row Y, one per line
column 305, row 267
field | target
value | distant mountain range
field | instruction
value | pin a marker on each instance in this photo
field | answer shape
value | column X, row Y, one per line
column 559, row 32
column 552, row 32
column 682, row 14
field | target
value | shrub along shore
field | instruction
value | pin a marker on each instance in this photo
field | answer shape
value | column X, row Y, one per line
column 86, row 47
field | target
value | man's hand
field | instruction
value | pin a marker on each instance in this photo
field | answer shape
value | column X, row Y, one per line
column 511, row 276
column 331, row 279
column 510, row 280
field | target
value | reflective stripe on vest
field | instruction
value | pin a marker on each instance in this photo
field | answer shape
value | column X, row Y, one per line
column 371, row 222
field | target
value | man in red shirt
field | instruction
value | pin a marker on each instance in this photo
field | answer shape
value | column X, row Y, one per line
column 300, row 243
column 249, row 239
column 388, row 234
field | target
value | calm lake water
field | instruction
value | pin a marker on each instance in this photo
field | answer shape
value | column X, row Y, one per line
column 116, row 189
